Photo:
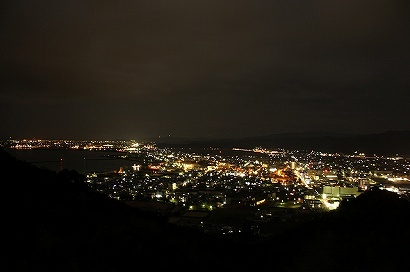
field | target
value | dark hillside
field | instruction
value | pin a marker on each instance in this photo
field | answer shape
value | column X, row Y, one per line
column 54, row 222
column 369, row 233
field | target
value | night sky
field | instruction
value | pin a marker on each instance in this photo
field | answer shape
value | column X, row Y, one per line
column 136, row 69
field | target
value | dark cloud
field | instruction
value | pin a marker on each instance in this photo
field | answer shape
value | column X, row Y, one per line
column 129, row 69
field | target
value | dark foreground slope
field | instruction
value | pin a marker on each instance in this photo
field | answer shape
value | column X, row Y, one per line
column 54, row 222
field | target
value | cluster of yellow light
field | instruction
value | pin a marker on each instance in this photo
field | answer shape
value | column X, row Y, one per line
column 154, row 167
column 260, row 201
column 188, row 166
column 23, row 146
column 398, row 179
column 392, row 189
column 330, row 205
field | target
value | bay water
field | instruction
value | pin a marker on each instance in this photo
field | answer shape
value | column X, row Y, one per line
column 83, row 161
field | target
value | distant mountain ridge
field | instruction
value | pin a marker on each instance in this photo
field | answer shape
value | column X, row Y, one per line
column 389, row 143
